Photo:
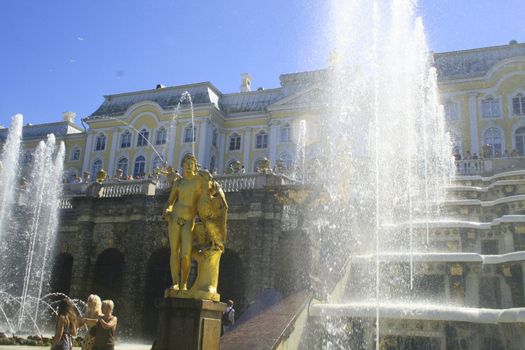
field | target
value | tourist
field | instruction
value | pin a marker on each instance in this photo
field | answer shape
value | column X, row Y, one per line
column 506, row 154
column 228, row 317
column 91, row 315
column 468, row 156
column 66, row 326
column 104, row 330
column 514, row 153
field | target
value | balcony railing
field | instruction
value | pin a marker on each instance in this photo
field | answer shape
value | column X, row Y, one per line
column 151, row 187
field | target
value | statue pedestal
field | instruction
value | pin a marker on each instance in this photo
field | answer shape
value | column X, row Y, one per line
column 189, row 324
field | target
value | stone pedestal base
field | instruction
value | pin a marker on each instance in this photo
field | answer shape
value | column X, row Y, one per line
column 189, row 324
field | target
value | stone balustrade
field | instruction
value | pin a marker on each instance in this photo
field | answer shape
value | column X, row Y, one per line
column 151, row 187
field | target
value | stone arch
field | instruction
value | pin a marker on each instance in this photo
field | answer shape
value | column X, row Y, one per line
column 108, row 275
column 61, row 273
column 158, row 278
column 231, row 281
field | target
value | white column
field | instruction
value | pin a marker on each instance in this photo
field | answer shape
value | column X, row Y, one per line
column 247, row 146
column 203, row 141
column 473, row 116
column 172, row 143
column 88, row 150
column 272, row 141
column 115, row 133
column 220, row 147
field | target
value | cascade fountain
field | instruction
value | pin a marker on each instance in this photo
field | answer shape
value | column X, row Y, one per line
column 389, row 157
column 28, row 228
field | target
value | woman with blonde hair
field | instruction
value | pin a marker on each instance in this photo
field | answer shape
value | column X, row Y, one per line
column 90, row 317
column 66, row 326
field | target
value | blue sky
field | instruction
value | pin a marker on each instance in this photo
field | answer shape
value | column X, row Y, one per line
column 64, row 55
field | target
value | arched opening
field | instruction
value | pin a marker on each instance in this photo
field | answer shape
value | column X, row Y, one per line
column 108, row 275
column 158, row 278
column 61, row 273
column 231, row 282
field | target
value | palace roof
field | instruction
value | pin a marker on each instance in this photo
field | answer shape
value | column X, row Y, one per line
column 475, row 63
column 40, row 131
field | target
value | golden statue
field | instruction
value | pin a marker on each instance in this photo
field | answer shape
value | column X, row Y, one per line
column 102, row 176
column 193, row 195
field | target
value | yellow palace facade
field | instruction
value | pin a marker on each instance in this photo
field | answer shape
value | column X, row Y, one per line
column 482, row 91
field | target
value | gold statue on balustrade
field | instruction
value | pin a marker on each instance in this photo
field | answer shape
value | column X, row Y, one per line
column 195, row 196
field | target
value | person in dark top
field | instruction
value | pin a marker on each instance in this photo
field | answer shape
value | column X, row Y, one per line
column 66, row 326
column 104, row 330
column 228, row 317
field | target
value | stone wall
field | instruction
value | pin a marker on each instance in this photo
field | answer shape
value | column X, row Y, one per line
column 120, row 246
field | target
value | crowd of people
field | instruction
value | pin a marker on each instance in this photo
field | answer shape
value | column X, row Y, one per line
column 486, row 154
column 98, row 318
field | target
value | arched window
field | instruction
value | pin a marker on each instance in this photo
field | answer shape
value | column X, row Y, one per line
column 490, row 107
column 100, row 142
column 188, row 137
column 140, row 166
column 494, row 142
column 160, row 137
column 261, row 140
column 75, row 154
column 235, row 142
column 287, row 159
column 157, row 163
column 518, row 104
column 125, row 139
column 95, row 168
column 285, row 134
column 143, row 138
column 214, row 137
column 123, row 165
column 520, row 140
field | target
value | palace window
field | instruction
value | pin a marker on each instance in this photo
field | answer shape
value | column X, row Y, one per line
column 518, row 104
column 125, row 139
column 451, row 110
column 287, row 159
column 261, row 140
column 75, row 154
column 157, row 163
column 235, row 142
column 100, row 142
column 188, row 137
column 143, row 137
column 27, row 158
column 123, row 165
column 490, row 108
column 160, row 138
column 140, row 166
column 519, row 137
column 492, row 138
column 285, row 134
column 95, row 168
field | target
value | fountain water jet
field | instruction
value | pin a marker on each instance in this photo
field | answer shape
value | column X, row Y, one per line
column 384, row 167
column 29, row 225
